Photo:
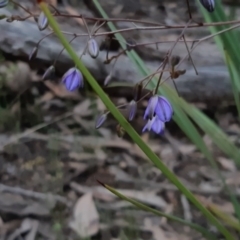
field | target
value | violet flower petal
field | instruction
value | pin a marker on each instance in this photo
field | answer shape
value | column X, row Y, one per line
column 152, row 104
column 73, row 79
column 158, row 126
column 164, row 110
column 208, row 4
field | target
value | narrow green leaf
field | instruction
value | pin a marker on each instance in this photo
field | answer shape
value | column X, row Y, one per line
column 146, row 208
column 234, row 76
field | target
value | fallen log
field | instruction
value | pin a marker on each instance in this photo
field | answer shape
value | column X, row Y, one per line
column 212, row 84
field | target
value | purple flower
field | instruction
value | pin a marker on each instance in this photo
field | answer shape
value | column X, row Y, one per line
column 73, row 79
column 208, row 4
column 154, row 124
column 160, row 106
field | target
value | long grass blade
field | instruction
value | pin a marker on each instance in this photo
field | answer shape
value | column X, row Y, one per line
column 146, row 208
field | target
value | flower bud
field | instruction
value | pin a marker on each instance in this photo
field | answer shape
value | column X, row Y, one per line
column 49, row 73
column 100, row 120
column 132, row 110
column 73, row 79
column 33, row 54
column 208, row 4
column 3, row 3
column 42, row 21
column 107, row 79
column 93, row 48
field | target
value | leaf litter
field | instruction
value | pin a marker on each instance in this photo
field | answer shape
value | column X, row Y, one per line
column 50, row 168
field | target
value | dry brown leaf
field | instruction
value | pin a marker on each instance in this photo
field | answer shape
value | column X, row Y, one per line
column 119, row 174
column 94, row 142
column 187, row 149
column 81, row 156
column 234, row 128
column 117, row 10
column 157, row 232
column 72, row 11
column 31, row 235
column 45, row 97
column 60, row 91
column 26, row 226
column 98, row 192
column 100, row 105
column 82, row 109
column 234, row 179
column 86, row 217
column 227, row 164
column 9, row 226
column 79, row 167
column 100, row 154
column 53, row 2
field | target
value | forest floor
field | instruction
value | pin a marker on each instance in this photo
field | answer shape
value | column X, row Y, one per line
column 52, row 158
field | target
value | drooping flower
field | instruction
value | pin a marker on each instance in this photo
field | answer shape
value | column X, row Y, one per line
column 3, row 3
column 160, row 106
column 42, row 21
column 73, row 79
column 208, row 4
column 154, row 124
column 132, row 109
column 100, row 120
column 93, row 48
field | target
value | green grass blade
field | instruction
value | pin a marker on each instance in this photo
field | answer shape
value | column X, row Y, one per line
column 234, row 76
column 146, row 208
